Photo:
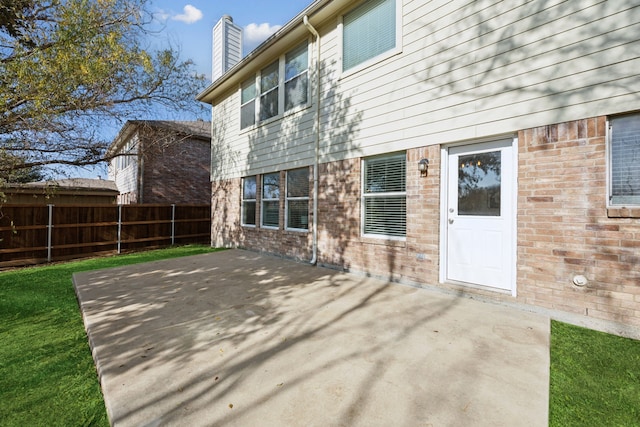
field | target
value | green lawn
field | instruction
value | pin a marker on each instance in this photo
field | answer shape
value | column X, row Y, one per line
column 47, row 375
column 595, row 378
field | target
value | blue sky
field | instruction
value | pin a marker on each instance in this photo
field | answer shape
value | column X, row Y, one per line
column 188, row 24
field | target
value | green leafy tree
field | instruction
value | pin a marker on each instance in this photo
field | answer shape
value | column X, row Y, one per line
column 13, row 170
column 70, row 67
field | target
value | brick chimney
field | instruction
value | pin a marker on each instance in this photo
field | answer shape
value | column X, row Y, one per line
column 227, row 46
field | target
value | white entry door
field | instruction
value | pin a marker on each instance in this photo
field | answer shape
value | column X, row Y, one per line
column 480, row 215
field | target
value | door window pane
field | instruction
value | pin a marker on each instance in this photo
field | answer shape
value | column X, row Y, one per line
column 479, row 184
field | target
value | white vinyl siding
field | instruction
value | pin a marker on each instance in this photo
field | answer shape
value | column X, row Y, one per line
column 625, row 160
column 271, row 200
column 368, row 31
column 468, row 70
column 385, row 196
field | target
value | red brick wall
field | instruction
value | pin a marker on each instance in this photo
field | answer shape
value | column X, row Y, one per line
column 564, row 228
column 340, row 244
column 227, row 231
column 176, row 172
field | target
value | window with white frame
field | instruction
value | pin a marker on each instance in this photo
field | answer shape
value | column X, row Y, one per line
column 249, row 200
column 248, row 103
column 368, row 31
column 296, row 77
column 276, row 89
column 269, row 91
column 384, row 196
column 624, row 146
column 271, row 200
column 297, row 199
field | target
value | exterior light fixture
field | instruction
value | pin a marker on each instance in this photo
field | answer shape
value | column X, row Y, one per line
column 423, row 167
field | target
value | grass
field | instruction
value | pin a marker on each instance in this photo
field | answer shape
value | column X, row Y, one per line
column 595, row 378
column 47, row 374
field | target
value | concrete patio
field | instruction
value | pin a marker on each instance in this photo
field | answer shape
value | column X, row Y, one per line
column 242, row 339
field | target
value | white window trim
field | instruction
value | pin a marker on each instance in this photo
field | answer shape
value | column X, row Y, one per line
column 376, row 59
column 263, row 199
column 286, row 205
column 608, row 160
column 365, row 195
column 254, row 100
column 242, row 200
column 281, row 94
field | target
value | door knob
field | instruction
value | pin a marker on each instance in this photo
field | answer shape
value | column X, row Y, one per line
column 450, row 220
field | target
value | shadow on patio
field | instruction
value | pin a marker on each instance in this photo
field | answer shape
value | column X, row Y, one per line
column 238, row 338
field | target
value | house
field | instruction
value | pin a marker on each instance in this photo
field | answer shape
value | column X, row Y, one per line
column 71, row 191
column 156, row 161
column 486, row 148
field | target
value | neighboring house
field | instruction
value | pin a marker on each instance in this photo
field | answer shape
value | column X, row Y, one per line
column 158, row 161
column 72, row 191
column 526, row 112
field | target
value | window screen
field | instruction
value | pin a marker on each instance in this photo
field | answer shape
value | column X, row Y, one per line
column 271, row 200
column 248, row 103
column 249, row 200
column 625, row 160
column 296, row 77
column 384, row 204
column 269, row 81
column 298, row 199
column 368, row 31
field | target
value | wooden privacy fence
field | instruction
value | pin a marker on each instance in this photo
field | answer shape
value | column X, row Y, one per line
column 35, row 234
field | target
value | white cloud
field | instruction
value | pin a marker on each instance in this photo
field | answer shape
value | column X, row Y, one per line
column 191, row 14
column 254, row 34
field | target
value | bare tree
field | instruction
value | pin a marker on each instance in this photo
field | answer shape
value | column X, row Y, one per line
column 68, row 67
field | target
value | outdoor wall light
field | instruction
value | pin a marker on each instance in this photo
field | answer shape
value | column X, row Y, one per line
column 423, row 167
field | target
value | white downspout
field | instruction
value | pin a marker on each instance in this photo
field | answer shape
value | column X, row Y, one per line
column 314, row 258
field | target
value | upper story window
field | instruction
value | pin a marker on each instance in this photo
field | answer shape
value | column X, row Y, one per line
column 296, row 75
column 385, row 196
column 280, row 87
column 624, row 133
column 248, row 103
column 269, row 90
column 368, row 31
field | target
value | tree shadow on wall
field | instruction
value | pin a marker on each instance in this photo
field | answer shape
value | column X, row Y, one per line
column 289, row 143
column 485, row 63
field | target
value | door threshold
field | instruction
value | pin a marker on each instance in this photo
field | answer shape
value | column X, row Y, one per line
column 478, row 287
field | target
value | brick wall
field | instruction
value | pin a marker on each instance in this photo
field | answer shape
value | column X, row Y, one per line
column 176, row 172
column 565, row 229
column 340, row 244
column 227, row 230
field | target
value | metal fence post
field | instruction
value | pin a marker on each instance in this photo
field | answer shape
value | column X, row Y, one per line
column 49, row 232
column 119, row 226
column 173, row 224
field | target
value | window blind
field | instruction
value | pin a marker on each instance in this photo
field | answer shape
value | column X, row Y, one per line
column 384, row 204
column 298, row 198
column 625, row 160
column 368, row 31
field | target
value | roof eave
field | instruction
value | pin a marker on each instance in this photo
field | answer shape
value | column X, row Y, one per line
column 289, row 33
